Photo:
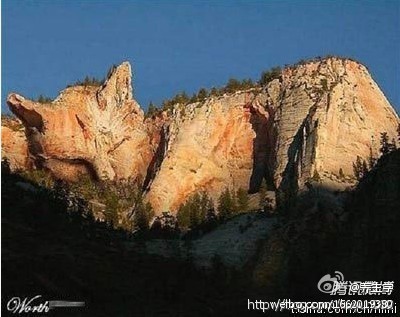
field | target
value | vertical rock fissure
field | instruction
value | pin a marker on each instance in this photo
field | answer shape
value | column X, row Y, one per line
column 157, row 159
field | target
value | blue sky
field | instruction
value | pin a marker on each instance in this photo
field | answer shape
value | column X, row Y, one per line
column 186, row 45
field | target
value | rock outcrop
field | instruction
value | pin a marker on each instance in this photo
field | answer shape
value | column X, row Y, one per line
column 14, row 144
column 207, row 147
column 312, row 121
column 315, row 120
column 86, row 129
column 326, row 114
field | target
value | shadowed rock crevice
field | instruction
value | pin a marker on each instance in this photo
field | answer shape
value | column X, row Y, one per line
column 157, row 158
column 220, row 142
column 263, row 152
column 303, row 139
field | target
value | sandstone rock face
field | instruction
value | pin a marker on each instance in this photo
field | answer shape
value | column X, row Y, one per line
column 14, row 145
column 207, row 147
column 315, row 119
column 328, row 113
column 96, row 130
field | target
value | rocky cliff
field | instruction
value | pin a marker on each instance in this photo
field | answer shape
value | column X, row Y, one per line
column 14, row 144
column 95, row 130
column 313, row 120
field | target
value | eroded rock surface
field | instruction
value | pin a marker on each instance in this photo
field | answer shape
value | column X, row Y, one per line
column 14, row 144
column 314, row 120
column 96, row 130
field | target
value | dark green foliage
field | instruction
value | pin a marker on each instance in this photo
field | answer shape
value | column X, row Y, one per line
column 88, row 81
column 182, row 98
column 114, row 198
column 398, row 133
column 143, row 213
column 44, row 99
column 247, row 84
column 371, row 159
column 165, row 226
column 242, row 200
column 93, row 81
column 386, row 146
column 196, row 216
column 111, row 201
column 183, row 216
column 226, row 205
column 39, row 177
column 46, row 247
column 393, row 146
column 384, row 141
column 202, row 94
column 360, row 168
column 262, row 192
column 214, row 92
column 363, row 241
column 232, row 85
column 269, row 75
column 194, row 211
column 151, row 110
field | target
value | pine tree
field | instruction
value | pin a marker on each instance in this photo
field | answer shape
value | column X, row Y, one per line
column 371, row 159
column 151, row 110
column 269, row 75
column 393, row 146
column 242, row 200
column 398, row 133
column 226, row 205
column 214, row 91
column 205, row 205
column 232, row 85
column 262, row 192
column 43, row 99
column 195, row 210
column 86, row 81
column 193, row 99
column 384, row 141
column 202, row 94
column 183, row 216
column 143, row 213
column 360, row 168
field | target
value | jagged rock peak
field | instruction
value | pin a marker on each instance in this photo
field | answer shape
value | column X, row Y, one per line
column 87, row 128
column 310, row 122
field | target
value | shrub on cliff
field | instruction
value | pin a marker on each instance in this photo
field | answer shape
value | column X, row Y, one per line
column 143, row 214
column 269, row 75
column 43, row 99
column 194, row 211
column 242, row 200
column 202, row 94
column 151, row 110
column 226, row 205
column 89, row 81
column 360, row 168
column 386, row 146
